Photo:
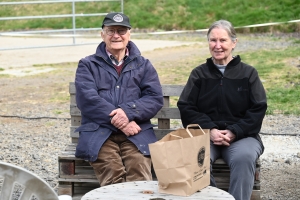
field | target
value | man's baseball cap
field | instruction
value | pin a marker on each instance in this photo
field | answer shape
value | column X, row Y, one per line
column 113, row 19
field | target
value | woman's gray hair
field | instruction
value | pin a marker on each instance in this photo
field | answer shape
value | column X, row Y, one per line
column 226, row 25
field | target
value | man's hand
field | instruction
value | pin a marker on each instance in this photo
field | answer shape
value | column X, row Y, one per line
column 119, row 118
column 220, row 137
column 131, row 129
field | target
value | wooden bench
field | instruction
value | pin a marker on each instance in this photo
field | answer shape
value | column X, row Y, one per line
column 76, row 176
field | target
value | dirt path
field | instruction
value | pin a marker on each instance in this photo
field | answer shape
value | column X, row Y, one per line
column 11, row 59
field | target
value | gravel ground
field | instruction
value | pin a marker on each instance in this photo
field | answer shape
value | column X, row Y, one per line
column 35, row 144
column 34, row 129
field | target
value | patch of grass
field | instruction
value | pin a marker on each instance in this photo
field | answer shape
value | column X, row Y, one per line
column 4, row 75
column 59, row 93
column 49, row 123
column 178, row 71
column 284, row 100
column 1, row 69
column 158, row 14
column 275, row 66
column 58, row 112
column 281, row 78
column 48, row 89
column 61, row 97
column 63, row 70
column 175, row 73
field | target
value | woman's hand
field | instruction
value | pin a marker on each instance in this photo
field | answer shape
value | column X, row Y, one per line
column 220, row 137
column 229, row 134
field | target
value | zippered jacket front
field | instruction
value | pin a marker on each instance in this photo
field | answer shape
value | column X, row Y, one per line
column 235, row 101
column 99, row 90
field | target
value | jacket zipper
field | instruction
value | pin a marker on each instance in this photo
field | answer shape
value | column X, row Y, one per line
column 116, row 98
column 221, row 96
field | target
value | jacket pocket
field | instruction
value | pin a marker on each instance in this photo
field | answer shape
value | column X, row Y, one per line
column 87, row 127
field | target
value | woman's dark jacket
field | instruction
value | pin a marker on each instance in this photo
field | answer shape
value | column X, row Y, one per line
column 99, row 90
column 235, row 101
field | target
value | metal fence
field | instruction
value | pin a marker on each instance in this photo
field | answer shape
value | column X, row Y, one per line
column 71, row 33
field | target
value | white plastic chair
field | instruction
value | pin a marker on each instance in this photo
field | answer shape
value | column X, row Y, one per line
column 27, row 184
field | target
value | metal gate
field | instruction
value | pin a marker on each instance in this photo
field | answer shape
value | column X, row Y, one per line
column 69, row 33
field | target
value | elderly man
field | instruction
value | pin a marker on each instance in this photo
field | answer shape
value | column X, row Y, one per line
column 118, row 92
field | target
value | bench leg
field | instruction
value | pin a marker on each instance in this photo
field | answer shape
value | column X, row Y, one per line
column 66, row 167
column 65, row 188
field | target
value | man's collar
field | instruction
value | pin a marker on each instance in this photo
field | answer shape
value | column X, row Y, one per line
column 114, row 60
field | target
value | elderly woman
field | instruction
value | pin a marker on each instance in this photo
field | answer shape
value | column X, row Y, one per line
column 226, row 96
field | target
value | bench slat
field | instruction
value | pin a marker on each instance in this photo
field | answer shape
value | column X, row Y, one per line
column 168, row 90
column 164, row 113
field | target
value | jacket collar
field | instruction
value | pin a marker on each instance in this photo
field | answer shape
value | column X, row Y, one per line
column 236, row 60
column 134, row 51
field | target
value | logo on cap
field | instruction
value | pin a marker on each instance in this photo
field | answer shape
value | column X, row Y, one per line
column 118, row 18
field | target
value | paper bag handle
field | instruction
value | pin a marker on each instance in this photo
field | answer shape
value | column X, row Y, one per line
column 176, row 136
column 193, row 125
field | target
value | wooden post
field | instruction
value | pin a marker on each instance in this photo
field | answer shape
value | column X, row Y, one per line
column 164, row 123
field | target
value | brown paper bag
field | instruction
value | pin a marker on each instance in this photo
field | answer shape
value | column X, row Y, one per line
column 181, row 161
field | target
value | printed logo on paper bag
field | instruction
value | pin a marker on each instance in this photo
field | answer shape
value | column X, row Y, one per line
column 202, row 171
column 201, row 156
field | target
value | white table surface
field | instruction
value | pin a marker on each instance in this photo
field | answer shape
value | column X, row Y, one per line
column 148, row 190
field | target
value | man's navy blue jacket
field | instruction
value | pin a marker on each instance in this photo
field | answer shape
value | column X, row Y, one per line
column 99, row 90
